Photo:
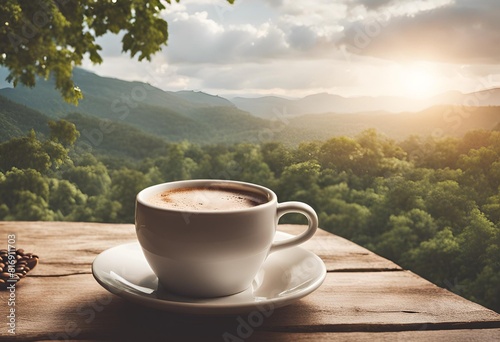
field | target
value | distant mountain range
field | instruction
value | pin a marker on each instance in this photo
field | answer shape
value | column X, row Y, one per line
column 109, row 97
column 271, row 106
column 142, row 112
column 194, row 116
column 438, row 121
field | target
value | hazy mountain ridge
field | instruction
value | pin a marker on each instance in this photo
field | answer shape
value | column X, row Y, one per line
column 104, row 96
column 205, row 119
column 204, row 99
column 173, row 116
column 438, row 121
column 268, row 106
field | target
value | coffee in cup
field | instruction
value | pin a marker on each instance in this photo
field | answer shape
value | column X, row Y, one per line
column 196, row 199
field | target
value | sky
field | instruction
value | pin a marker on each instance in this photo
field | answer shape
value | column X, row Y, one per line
column 296, row 48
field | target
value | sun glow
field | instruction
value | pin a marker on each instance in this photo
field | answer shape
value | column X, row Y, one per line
column 419, row 81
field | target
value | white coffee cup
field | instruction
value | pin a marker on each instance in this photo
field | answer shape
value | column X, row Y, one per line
column 212, row 252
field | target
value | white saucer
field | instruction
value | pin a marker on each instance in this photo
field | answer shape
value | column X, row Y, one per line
column 286, row 276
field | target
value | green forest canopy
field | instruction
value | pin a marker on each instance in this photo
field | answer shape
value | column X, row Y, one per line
column 431, row 205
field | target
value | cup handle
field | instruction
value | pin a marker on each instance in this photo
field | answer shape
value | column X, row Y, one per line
column 301, row 208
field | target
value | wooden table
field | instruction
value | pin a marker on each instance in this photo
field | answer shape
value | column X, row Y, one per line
column 364, row 298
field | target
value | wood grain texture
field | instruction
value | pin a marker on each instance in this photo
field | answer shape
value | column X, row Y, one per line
column 65, row 247
column 77, row 307
column 470, row 335
column 364, row 297
column 382, row 301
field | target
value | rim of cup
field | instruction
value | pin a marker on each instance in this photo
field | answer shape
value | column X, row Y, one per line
column 145, row 193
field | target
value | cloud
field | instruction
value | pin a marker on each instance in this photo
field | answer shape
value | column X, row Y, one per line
column 252, row 31
column 302, row 37
column 277, row 77
column 195, row 38
column 372, row 4
column 291, row 47
column 462, row 32
column 111, row 44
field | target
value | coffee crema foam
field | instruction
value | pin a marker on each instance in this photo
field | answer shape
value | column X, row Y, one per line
column 206, row 199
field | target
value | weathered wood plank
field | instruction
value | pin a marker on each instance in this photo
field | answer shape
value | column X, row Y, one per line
column 61, row 300
column 76, row 307
column 70, row 247
column 470, row 335
column 382, row 301
column 340, row 254
column 66, row 247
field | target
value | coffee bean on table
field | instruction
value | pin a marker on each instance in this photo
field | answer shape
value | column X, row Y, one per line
column 23, row 263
